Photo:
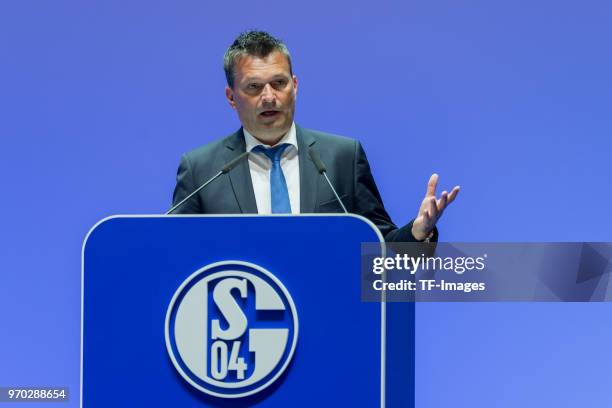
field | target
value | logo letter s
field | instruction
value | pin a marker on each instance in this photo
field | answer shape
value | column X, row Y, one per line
column 229, row 309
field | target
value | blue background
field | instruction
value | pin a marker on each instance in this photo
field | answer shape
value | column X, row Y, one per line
column 511, row 100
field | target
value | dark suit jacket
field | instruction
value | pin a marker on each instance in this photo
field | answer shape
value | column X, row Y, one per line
column 347, row 168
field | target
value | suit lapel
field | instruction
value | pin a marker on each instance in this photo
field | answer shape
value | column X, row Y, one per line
column 309, row 176
column 240, row 176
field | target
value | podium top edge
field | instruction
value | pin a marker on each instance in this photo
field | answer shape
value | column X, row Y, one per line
column 305, row 215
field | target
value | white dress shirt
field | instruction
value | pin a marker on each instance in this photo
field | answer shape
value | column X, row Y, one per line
column 260, row 167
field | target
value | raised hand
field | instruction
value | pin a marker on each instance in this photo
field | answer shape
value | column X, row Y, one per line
column 431, row 209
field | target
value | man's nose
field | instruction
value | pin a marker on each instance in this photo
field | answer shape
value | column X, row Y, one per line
column 267, row 94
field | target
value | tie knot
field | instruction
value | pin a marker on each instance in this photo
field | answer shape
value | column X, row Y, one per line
column 273, row 153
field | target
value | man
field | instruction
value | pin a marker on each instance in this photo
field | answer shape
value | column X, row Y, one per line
column 279, row 175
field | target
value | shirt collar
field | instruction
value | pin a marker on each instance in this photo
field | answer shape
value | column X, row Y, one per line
column 290, row 137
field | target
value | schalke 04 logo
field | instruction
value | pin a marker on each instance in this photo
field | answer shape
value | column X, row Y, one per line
column 231, row 329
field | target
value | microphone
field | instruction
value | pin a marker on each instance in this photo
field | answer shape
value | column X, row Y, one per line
column 323, row 171
column 225, row 169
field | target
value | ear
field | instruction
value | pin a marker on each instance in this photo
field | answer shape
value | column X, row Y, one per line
column 229, row 94
column 295, row 84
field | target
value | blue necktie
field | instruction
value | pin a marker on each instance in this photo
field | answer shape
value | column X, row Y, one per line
column 278, row 185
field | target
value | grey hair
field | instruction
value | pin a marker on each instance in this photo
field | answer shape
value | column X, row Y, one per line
column 255, row 43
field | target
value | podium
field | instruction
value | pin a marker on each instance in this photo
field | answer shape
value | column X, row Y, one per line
column 236, row 311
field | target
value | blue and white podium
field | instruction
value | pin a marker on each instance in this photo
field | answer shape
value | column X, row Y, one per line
column 231, row 311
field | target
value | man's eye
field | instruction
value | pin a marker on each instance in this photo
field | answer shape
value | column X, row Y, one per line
column 253, row 86
column 280, row 83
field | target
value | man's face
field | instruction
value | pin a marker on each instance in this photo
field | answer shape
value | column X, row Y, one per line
column 264, row 95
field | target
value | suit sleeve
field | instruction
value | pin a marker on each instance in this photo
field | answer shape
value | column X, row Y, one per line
column 368, row 202
column 185, row 185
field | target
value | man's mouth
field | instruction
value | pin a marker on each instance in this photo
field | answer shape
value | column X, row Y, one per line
column 269, row 113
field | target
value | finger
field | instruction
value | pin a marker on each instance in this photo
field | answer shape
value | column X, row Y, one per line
column 431, row 185
column 433, row 208
column 441, row 203
column 453, row 194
